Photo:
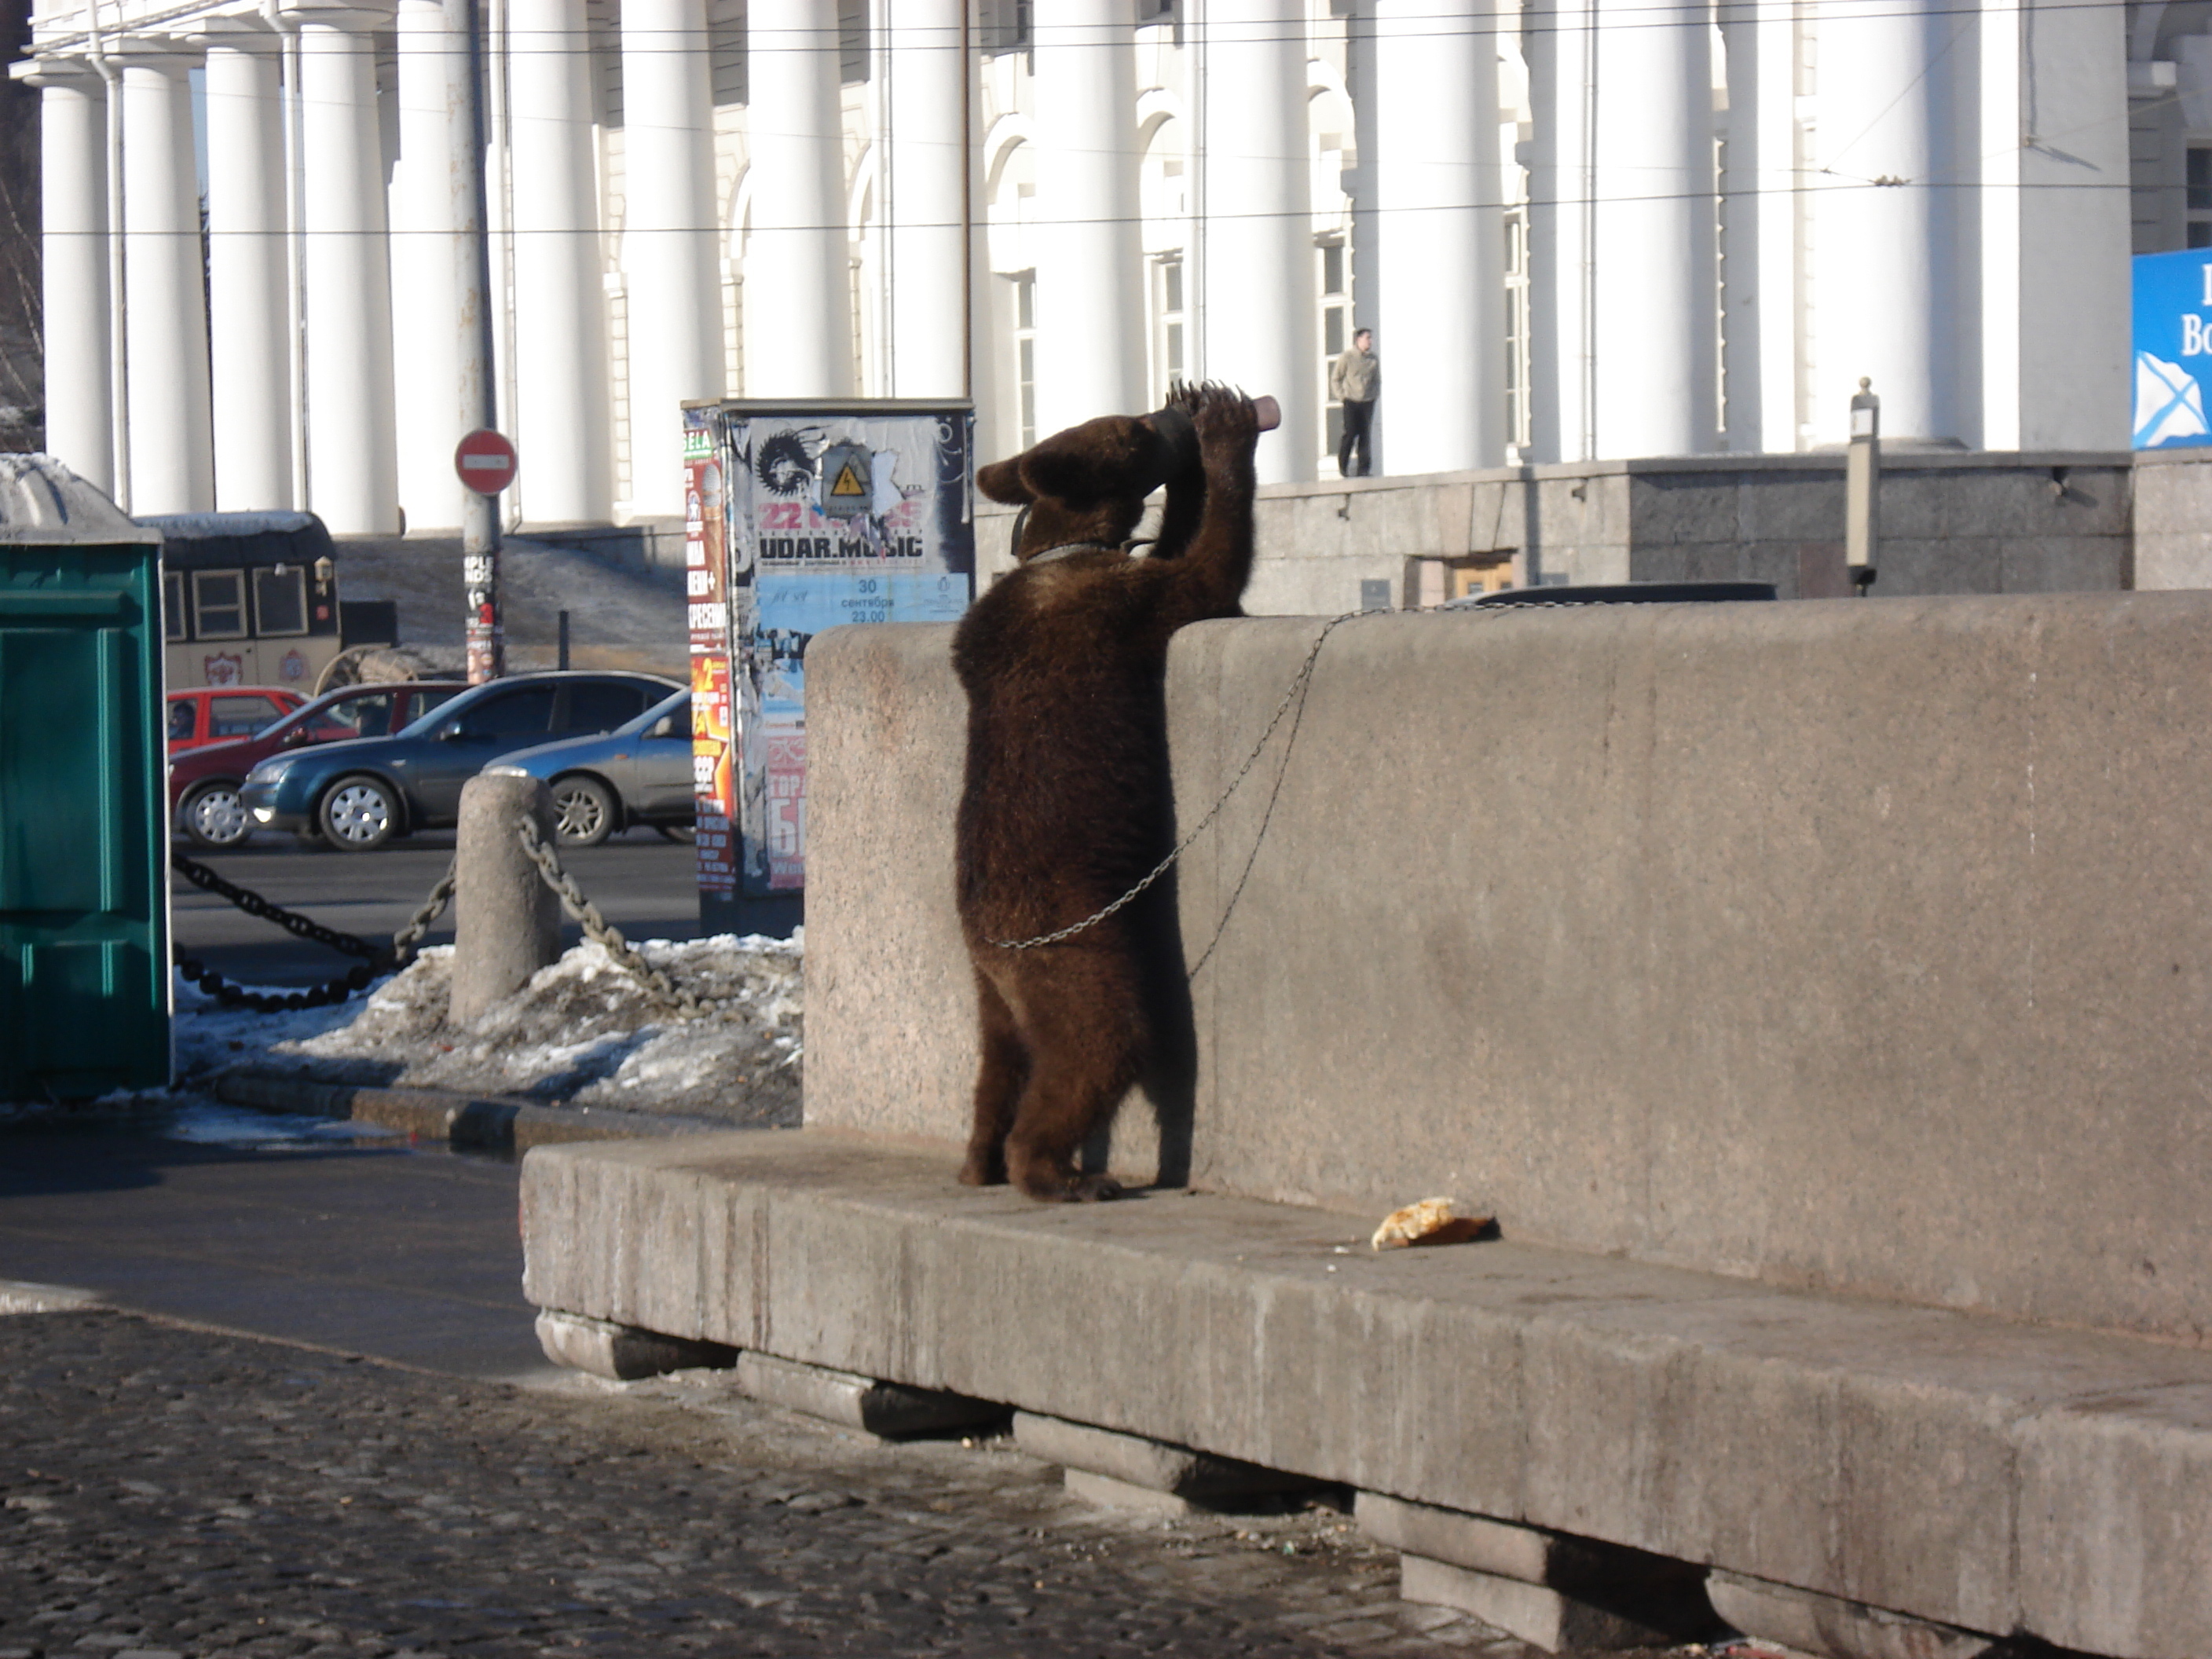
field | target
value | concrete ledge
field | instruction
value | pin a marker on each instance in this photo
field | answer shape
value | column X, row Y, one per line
column 481, row 1122
column 1550, row 1590
column 1535, row 1612
column 1954, row 1469
column 623, row 1353
column 1829, row 1629
column 865, row 1403
column 1111, row 1465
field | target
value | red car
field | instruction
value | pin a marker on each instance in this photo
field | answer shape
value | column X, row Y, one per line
column 218, row 714
column 204, row 784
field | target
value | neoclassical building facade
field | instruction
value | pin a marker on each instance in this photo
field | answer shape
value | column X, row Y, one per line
column 1580, row 229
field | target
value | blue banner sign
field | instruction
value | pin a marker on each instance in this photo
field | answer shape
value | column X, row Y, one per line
column 2174, row 348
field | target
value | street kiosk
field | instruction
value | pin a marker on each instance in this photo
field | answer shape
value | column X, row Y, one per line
column 84, row 897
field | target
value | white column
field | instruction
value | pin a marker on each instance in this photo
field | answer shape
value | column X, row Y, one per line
column 172, row 455
column 1760, row 198
column 1089, row 268
column 670, row 246
column 73, row 182
column 425, row 260
column 247, row 276
column 1441, row 323
column 2055, row 341
column 353, row 467
column 1889, row 216
column 1653, row 301
column 1259, row 327
column 799, row 283
column 562, row 428
column 930, row 162
column 1562, row 56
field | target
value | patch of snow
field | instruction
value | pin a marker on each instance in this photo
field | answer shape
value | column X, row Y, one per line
column 584, row 1031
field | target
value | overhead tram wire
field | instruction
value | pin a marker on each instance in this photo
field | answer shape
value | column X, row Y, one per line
column 1614, row 18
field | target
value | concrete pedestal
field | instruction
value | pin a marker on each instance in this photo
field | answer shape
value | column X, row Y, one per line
column 507, row 921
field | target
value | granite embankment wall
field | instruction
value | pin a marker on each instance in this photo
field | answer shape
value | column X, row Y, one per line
column 1856, row 945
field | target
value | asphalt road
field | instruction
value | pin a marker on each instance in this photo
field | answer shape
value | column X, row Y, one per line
column 319, row 1427
column 643, row 884
column 282, row 1228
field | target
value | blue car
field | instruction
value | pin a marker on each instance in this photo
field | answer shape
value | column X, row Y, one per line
column 360, row 794
column 640, row 773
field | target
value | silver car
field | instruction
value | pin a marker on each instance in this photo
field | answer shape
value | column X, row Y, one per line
column 636, row 774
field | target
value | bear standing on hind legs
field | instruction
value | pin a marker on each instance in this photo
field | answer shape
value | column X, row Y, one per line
column 1067, row 803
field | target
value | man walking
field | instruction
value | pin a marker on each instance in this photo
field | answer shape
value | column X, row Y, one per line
column 1353, row 381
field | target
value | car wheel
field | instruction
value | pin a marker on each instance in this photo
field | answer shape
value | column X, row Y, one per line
column 683, row 834
column 213, row 816
column 584, row 811
column 358, row 815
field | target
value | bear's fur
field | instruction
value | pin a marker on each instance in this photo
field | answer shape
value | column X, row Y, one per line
column 1066, row 803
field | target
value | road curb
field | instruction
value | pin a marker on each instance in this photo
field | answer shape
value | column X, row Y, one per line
column 479, row 1122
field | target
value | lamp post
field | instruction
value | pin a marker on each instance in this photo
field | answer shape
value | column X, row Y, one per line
column 1861, row 486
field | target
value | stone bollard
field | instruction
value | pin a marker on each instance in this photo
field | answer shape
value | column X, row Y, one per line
column 507, row 921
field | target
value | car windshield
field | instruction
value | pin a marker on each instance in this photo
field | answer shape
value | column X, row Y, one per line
column 425, row 723
column 368, row 716
column 676, row 710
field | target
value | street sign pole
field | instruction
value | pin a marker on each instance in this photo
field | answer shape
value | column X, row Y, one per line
column 486, row 632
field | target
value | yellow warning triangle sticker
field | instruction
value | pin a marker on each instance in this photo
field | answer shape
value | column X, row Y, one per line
column 848, row 482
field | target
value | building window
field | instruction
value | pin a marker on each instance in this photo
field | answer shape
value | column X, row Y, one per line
column 280, row 600
column 1168, row 324
column 1517, row 414
column 618, row 411
column 2200, row 195
column 1025, row 353
column 173, row 606
column 1335, row 286
column 219, row 604
column 725, row 51
column 1008, row 25
column 852, row 41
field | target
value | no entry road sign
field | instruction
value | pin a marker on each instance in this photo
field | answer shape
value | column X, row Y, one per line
column 485, row 461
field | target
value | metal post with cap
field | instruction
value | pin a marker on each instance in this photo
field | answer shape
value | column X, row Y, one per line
column 1862, row 488
column 484, row 459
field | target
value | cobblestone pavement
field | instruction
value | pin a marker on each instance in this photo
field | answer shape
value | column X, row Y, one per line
column 171, row 1491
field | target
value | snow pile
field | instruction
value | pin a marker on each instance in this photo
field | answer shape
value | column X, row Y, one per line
column 583, row 1032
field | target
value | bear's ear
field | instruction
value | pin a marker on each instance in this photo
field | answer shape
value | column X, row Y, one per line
column 1113, row 458
column 1002, row 481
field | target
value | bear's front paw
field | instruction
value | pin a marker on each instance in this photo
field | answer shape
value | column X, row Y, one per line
column 1225, row 421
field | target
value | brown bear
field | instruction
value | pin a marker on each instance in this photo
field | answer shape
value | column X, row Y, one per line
column 1066, row 803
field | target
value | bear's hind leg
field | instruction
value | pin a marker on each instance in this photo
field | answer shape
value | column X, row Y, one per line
column 1087, row 1050
column 999, row 1084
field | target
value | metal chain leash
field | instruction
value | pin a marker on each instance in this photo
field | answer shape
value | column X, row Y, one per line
column 1297, row 685
column 1294, row 695
column 377, row 959
column 599, row 930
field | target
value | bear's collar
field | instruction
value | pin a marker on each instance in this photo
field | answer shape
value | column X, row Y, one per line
column 1068, row 551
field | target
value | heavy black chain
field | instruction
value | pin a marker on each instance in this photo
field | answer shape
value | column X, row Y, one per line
column 291, row 921
column 603, row 933
column 376, row 959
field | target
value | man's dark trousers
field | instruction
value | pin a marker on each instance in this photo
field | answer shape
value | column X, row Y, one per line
column 1358, row 417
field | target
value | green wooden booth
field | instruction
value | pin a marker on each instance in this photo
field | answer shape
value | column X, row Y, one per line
column 84, row 889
